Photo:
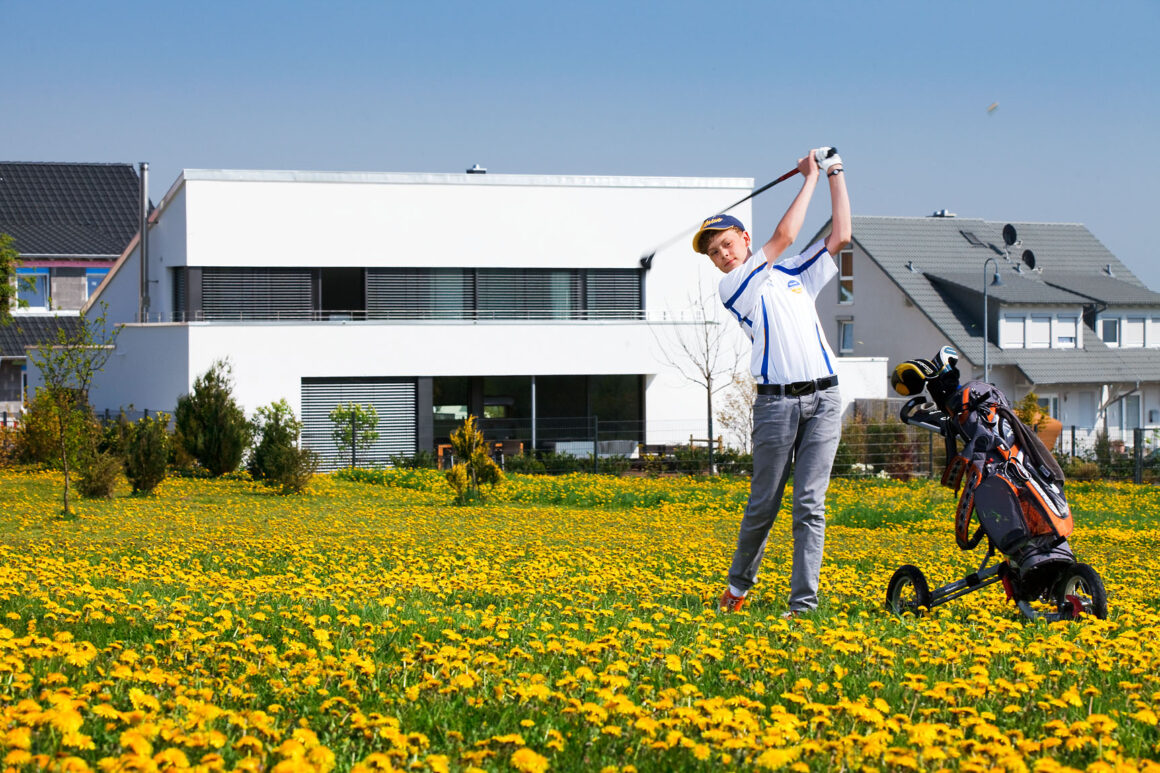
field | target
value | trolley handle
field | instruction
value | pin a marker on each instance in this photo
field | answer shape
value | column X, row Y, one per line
column 920, row 412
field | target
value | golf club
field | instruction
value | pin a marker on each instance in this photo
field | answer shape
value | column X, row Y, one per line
column 646, row 259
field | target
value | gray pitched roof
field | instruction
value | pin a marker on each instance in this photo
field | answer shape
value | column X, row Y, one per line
column 1096, row 285
column 1015, row 288
column 938, row 262
column 25, row 330
column 63, row 210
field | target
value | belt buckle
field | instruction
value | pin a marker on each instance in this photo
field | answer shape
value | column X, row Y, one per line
column 802, row 388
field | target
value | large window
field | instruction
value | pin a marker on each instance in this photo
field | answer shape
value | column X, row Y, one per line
column 32, row 287
column 846, row 275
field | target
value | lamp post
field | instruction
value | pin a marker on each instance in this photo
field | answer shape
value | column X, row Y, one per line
column 995, row 282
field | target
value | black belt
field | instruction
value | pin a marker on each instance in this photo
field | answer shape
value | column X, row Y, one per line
column 798, row 388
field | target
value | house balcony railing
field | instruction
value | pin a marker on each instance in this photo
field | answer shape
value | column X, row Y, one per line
column 426, row 316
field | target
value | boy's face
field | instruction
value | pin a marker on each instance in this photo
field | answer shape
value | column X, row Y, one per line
column 728, row 249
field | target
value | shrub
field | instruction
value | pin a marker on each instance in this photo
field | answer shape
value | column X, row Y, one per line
column 276, row 460
column 526, row 464
column 210, row 424
column 97, row 475
column 475, row 467
column 147, row 452
column 37, row 439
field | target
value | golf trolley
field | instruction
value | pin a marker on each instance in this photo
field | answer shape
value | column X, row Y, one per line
column 1013, row 488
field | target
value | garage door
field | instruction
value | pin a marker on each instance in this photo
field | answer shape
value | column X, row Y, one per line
column 393, row 401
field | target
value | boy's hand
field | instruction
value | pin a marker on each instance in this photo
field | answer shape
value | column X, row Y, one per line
column 826, row 158
column 808, row 166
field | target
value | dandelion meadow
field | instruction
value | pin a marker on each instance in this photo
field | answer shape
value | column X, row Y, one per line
column 568, row 624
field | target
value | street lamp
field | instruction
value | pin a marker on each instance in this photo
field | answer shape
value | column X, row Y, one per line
column 995, row 282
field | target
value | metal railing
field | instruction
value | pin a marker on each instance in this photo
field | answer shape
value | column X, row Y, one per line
column 435, row 316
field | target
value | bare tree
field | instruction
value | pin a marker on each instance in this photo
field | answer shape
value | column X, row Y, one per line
column 705, row 352
column 736, row 413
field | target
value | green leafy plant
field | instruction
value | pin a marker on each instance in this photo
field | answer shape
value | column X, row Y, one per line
column 354, row 428
column 98, row 474
column 211, row 426
column 276, row 459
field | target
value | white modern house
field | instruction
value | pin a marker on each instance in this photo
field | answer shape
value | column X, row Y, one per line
column 520, row 299
column 1043, row 307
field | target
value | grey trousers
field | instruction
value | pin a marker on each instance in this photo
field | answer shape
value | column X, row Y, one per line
column 784, row 428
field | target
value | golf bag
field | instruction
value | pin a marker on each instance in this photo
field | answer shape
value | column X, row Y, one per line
column 1008, row 481
column 1006, row 478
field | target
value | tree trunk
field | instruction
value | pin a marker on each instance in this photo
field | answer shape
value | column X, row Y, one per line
column 709, row 396
column 64, row 462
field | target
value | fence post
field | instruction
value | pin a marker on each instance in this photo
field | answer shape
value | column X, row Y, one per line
column 595, row 443
column 1073, row 452
column 1138, row 452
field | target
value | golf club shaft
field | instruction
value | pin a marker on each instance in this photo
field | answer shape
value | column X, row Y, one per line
column 647, row 259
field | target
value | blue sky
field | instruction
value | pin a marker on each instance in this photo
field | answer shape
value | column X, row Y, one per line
column 673, row 88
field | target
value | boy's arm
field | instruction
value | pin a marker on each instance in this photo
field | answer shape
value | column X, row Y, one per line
column 840, row 222
column 791, row 222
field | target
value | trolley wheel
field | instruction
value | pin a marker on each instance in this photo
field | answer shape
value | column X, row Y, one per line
column 907, row 591
column 1079, row 590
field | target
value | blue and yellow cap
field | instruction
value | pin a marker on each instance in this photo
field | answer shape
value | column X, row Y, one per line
column 715, row 223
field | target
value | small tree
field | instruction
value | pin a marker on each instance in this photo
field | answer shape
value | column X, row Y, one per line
column 473, row 466
column 147, row 452
column 9, row 261
column 211, row 426
column 354, row 428
column 276, row 459
column 67, row 368
column 705, row 353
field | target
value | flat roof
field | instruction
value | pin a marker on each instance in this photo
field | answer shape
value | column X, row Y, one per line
column 437, row 178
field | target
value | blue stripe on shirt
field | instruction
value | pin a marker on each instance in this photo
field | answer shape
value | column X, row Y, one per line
column 765, row 352
column 823, row 345
column 744, row 284
column 803, row 267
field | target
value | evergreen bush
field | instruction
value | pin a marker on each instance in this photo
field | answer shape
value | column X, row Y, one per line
column 147, row 452
column 211, row 426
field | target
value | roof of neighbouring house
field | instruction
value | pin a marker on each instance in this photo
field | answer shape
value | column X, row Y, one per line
column 62, row 210
column 24, row 330
column 940, row 264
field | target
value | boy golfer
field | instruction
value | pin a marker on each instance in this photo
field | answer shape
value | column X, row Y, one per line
column 796, row 414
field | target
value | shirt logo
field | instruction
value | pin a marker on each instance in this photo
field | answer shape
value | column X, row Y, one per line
column 794, row 286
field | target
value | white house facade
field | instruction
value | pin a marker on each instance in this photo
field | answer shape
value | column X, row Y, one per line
column 520, row 299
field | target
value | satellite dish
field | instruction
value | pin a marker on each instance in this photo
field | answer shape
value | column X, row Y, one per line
column 1029, row 258
column 1009, row 234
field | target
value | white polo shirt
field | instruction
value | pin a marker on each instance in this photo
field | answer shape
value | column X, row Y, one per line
column 775, row 307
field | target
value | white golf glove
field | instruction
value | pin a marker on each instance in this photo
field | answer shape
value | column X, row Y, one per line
column 826, row 158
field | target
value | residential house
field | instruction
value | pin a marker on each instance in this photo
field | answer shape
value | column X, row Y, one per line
column 69, row 223
column 1065, row 318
